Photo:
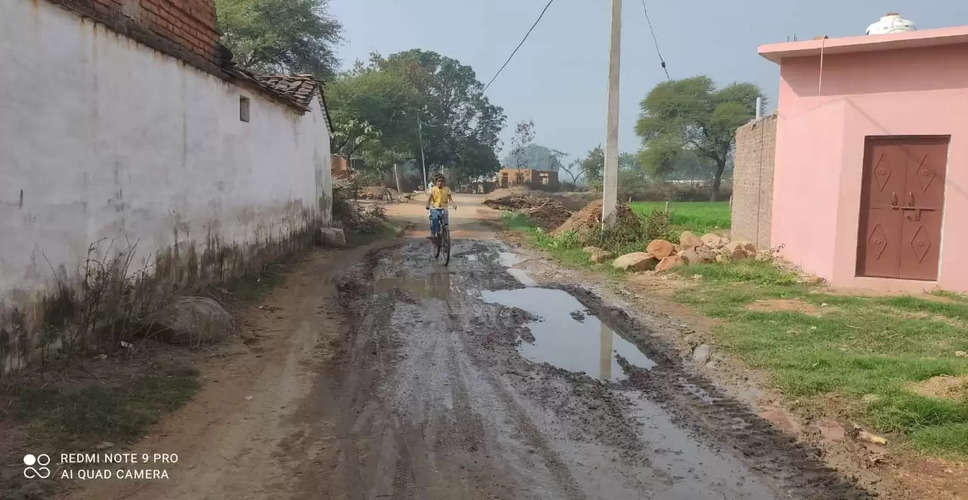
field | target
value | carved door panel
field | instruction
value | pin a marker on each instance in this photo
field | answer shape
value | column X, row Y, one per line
column 901, row 207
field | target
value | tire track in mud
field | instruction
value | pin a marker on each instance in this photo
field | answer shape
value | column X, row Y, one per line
column 505, row 427
column 699, row 405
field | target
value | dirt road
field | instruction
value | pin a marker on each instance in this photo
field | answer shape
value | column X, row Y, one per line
column 385, row 375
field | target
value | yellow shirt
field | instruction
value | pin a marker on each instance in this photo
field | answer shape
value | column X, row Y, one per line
column 439, row 197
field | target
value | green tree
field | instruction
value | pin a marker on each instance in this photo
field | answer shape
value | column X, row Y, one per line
column 691, row 115
column 593, row 166
column 280, row 36
column 460, row 125
column 374, row 115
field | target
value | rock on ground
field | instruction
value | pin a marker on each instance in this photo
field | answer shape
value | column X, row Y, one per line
column 714, row 241
column 333, row 236
column 670, row 262
column 701, row 354
column 688, row 239
column 660, row 248
column 195, row 321
column 636, row 261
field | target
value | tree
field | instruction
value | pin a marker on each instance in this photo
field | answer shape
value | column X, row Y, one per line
column 535, row 156
column 573, row 170
column 593, row 166
column 280, row 36
column 374, row 114
column 460, row 125
column 523, row 137
column 691, row 115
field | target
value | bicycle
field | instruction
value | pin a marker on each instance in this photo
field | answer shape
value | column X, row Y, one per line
column 441, row 239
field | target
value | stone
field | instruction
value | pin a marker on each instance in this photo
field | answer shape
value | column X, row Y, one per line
column 636, row 261
column 591, row 250
column 722, row 258
column 333, row 237
column 961, row 354
column 740, row 249
column 690, row 256
column 194, row 321
column 700, row 355
column 600, row 256
column 670, row 262
column 705, row 253
column 660, row 248
column 688, row 239
column 714, row 241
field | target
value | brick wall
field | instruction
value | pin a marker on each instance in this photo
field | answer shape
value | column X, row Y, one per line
column 189, row 24
column 753, row 181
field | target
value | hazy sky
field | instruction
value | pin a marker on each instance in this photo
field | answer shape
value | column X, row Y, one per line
column 558, row 79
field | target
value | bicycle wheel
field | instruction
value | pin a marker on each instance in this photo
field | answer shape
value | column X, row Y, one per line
column 444, row 251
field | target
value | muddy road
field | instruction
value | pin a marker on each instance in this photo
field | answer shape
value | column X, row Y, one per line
column 377, row 373
column 472, row 382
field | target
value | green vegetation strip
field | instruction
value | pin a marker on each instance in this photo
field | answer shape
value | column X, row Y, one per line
column 698, row 216
column 860, row 357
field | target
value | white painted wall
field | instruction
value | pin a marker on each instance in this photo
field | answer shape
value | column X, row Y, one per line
column 108, row 138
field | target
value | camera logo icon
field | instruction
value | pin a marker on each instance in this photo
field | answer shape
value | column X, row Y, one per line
column 36, row 466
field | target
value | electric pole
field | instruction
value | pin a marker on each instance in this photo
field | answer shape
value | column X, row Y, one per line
column 423, row 160
column 610, row 181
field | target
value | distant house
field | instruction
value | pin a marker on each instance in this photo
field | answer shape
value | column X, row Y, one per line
column 870, row 183
column 508, row 177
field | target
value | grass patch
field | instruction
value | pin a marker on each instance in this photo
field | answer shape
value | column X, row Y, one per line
column 84, row 417
column 864, row 350
column 566, row 249
column 698, row 216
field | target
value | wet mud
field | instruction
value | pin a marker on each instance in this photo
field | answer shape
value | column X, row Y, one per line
column 469, row 381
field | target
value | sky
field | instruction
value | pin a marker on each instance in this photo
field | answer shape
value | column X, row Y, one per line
column 559, row 77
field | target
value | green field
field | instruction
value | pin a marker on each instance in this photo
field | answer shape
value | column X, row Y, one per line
column 696, row 216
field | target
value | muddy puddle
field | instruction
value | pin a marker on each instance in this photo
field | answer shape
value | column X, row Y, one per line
column 567, row 335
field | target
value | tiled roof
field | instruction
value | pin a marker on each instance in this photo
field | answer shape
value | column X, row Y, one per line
column 301, row 88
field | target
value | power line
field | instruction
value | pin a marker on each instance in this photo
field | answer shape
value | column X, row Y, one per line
column 655, row 41
column 515, row 51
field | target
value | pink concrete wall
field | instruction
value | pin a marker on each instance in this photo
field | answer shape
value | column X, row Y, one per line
column 820, row 153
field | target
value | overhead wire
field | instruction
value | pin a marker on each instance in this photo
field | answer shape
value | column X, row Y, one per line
column 655, row 41
column 515, row 51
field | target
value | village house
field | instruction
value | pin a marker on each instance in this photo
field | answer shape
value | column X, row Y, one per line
column 126, row 123
column 869, row 185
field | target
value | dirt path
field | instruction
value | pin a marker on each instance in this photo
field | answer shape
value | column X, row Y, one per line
column 385, row 375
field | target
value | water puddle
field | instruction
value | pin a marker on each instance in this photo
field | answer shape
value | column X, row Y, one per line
column 568, row 336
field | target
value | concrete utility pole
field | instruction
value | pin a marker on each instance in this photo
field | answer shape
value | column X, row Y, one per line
column 423, row 160
column 396, row 177
column 610, row 182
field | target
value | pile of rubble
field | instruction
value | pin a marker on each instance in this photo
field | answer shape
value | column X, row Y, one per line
column 663, row 255
column 547, row 213
column 589, row 220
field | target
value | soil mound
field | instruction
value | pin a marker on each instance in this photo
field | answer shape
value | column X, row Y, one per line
column 589, row 219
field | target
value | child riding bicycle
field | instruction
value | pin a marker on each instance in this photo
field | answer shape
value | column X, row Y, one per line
column 440, row 198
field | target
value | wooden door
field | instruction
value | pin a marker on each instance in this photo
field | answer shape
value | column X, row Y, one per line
column 901, row 207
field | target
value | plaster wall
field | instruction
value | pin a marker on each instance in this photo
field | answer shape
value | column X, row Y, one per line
column 104, row 139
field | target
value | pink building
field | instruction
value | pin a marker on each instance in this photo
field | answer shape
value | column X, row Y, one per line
column 871, row 176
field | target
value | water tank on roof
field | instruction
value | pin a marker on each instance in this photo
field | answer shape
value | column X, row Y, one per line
column 892, row 22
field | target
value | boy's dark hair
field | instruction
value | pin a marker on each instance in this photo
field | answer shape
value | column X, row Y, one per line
column 439, row 177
